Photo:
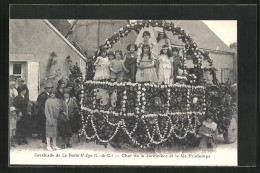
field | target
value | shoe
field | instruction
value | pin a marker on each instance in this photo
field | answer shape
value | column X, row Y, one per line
column 44, row 141
column 24, row 141
column 49, row 148
column 63, row 146
column 19, row 142
column 68, row 146
column 56, row 148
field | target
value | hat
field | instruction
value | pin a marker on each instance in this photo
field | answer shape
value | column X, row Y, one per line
column 20, row 79
column 110, row 53
column 48, row 85
column 12, row 83
column 53, row 90
column 12, row 109
column 210, row 115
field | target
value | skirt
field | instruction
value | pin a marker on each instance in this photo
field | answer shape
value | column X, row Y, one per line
column 146, row 75
column 51, row 129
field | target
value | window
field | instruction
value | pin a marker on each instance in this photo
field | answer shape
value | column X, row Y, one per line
column 17, row 69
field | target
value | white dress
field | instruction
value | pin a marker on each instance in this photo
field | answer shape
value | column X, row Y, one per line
column 165, row 70
column 102, row 69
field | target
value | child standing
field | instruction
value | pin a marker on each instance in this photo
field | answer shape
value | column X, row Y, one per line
column 52, row 110
column 208, row 132
column 165, row 69
column 13, row 118
column 117, row 68
column 102, row 66
column 66, row 123
column 130, row 63
column 145, row 66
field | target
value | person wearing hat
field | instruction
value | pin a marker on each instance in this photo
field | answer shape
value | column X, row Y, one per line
column 12, row 125
column 13, row 92
column 41, row 100
column 67, row 119
column 21, row 103
column 52, row 111
column 62, row 83
column 20, row 84
column 208, row 133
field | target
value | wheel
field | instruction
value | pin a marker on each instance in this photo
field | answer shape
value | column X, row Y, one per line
column 231, row 135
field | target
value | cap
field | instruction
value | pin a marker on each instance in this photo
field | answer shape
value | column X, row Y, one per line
column 20, row 79
column 48, row 85
column 12, row 83
column 210, row 115
column 12, row 109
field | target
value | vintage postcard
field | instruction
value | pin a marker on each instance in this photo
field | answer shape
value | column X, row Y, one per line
column 123, row 92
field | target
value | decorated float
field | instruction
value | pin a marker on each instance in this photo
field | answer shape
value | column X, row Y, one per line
column 148, row 116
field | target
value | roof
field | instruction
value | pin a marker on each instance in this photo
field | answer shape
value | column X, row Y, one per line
column 64, row 39
column 62, row 25
column 204, row 37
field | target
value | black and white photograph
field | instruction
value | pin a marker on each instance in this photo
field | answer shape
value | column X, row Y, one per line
column 123, row 92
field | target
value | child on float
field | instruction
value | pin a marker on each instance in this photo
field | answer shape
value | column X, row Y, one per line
column 117, row 68
column 145, row 67
column 208, row 133
column 130, row 63
column 67, row 118
column 13, row 119
column 165, row 67
column 102, row 66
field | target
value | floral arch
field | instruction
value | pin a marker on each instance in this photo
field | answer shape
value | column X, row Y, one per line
column 191, row 48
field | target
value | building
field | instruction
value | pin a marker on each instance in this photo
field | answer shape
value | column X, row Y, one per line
column 38, row 53
column 89, row 34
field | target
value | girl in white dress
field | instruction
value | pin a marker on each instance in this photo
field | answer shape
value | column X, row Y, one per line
column 102, row 66
column 165, row 69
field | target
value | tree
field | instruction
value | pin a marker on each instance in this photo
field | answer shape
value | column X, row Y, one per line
column 233, row 46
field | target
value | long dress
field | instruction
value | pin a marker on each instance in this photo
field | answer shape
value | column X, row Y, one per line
column 130, row 64
column 164, row 70
column 41, row 100
column 102, row 69
column 22, row 126
column 52, row 110
column 147, row 74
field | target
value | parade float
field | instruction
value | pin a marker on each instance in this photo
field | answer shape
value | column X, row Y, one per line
column 147, row 116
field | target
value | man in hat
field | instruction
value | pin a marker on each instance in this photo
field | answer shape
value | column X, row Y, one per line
column 41, row 108
column 22, row 84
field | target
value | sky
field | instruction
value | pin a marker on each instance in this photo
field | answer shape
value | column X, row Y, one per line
column 226, row 30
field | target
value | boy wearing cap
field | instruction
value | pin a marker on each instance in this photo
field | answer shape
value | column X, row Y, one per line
column 41, row 100
column 66, row 119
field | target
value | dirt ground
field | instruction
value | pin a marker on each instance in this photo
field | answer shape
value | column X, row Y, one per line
column 35, row 144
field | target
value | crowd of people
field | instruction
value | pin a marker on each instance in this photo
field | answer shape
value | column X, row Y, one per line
column 145, row 62
column 56, row 112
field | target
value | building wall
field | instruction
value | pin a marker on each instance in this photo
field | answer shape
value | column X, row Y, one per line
column 90, row 34
column 36, row 38
column 222, row 61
